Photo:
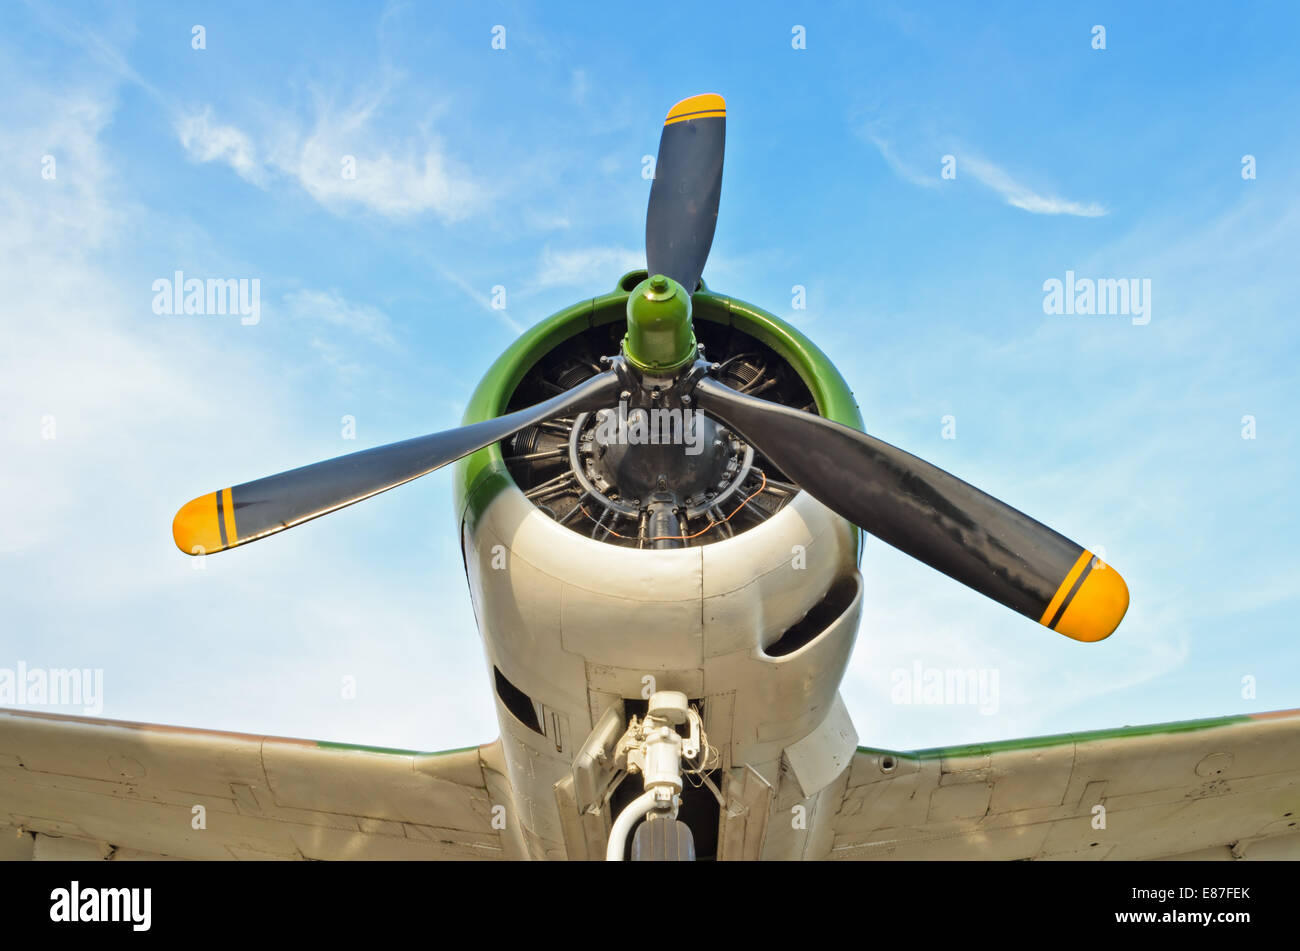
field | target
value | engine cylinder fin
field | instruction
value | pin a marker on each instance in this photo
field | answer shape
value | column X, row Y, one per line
column 607, row 492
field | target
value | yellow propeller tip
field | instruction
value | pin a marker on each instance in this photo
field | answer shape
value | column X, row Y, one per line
column 205, row 524
column 709, row 105
column 1097, row 607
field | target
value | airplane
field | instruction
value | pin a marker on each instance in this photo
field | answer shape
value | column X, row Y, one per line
column 662, row 495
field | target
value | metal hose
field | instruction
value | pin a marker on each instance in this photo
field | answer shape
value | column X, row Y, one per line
column 628, row 818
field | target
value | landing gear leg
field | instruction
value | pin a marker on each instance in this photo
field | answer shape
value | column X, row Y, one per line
column 654, row 748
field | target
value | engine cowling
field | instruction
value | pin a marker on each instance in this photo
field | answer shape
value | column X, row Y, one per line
column 753, row 618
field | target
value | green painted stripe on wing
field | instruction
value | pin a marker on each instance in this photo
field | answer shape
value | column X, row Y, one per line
column 326, row 745
column 1061, row 739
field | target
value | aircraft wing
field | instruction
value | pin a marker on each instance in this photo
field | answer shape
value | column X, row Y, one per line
column 1200, row 789
column 73, row 787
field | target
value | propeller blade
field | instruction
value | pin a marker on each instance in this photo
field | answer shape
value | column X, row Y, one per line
column 931, row 515
column 684, row 198
column 245, row 513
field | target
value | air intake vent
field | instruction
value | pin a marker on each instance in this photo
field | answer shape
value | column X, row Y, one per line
column 821, row 616
column 517, row 702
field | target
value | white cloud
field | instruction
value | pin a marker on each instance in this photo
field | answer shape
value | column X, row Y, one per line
column 902, row 169
column 986, row 173
column 330, row 307
column 207, row 141
column 149, row 411
column 1020, row 196
column 75, row 348
column 586, row 267
column 476, row 295
column 42, row 215
column 402, row 180
column 324, row 311
column 396, row 179
column 344, row 162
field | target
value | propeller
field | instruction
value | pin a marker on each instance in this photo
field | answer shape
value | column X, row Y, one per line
column 244, row 513
column 931, row 515
column 683, row 210
column 906, row 502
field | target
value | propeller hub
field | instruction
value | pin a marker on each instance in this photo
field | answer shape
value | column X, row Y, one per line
column 659, row 340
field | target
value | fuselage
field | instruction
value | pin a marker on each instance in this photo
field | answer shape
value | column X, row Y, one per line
column 755, row 627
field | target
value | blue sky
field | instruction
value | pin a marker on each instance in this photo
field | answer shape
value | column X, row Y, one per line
column 522, row 168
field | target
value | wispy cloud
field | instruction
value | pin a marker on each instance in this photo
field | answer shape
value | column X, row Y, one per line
column 330, row 307
column 324, row 312
column 78, row 33
column 970, row 163
column 343, row 161
column 396, row 179
column 476, row 295
column 586, row 267
column 1018, row 195
column 208, row 141
column 91, row 382
column 903, row 170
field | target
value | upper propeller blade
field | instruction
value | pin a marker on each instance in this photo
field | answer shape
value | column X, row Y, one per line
column 931, row 515
column 245, row 513
column 687, row 186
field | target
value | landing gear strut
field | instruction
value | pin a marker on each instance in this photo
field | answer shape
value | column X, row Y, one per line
column 654, row 748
